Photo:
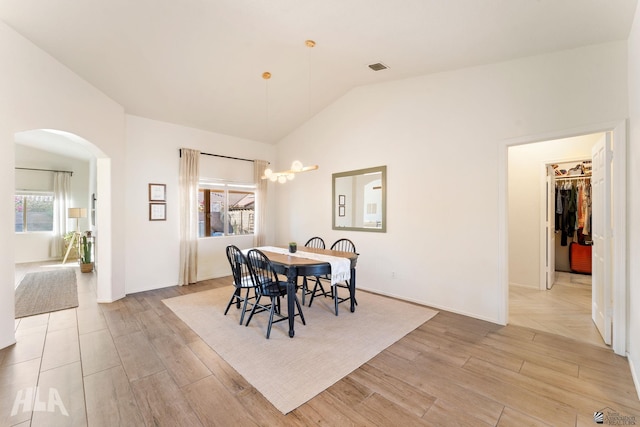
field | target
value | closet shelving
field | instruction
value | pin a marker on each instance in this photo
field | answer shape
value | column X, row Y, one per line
column 564, row 177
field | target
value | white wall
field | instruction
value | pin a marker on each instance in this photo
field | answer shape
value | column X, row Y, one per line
column 525, row 168
column 633, row 201
column 33, row 247
column 152, row 249
column 37, row 92
column 440, row 136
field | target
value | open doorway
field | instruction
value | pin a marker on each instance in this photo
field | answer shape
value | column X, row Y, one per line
column 563, row 309
column 39, row 145
column 38, row 163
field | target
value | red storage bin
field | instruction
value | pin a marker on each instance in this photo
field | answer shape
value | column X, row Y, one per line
column 580, row 258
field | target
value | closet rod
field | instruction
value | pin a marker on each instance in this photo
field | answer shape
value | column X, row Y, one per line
column 224, row 157
column 44, row 170
column 561, row 178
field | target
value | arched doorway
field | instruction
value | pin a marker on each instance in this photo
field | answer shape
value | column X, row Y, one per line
column 97, row 195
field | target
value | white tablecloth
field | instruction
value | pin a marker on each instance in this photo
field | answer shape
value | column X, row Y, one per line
column 340, row 267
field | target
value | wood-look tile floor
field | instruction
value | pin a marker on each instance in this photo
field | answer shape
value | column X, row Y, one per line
column 564, row 310
column 134, row 363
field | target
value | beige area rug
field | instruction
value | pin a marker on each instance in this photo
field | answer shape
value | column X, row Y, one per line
column 46, row 291
column 288, row 372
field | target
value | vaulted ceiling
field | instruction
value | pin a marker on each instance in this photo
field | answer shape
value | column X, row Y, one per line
column 199, row 62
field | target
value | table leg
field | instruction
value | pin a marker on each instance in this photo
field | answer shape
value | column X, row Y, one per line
column 352, row 289
column 292, row 279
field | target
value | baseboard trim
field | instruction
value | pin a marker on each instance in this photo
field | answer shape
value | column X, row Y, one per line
column 8, row 343
column 634, row 375
column 423, row 303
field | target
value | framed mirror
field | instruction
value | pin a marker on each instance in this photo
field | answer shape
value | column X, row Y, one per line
column 360, row 200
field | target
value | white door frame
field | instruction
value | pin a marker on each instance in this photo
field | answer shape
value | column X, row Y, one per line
column 620, row 280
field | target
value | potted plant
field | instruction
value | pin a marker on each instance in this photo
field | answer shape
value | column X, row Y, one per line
column 86, row 258
column 293, row 247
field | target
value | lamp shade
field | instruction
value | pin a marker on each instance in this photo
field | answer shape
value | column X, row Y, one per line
column 77, row 213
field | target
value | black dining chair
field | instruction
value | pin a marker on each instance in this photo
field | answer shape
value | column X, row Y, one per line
column 268, row 285
column 343, row 245
column 316, row 243
column 243, row 280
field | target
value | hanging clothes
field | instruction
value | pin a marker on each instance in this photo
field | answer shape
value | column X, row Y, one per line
column 586, row 230
column 558, row 209
column 580, row 199
column 569, row 215
column 573, row 210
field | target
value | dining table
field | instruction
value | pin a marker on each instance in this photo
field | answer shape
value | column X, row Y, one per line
column 294, row 265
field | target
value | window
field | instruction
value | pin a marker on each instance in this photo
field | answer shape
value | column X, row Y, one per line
column 225, row 209
column 34, row 212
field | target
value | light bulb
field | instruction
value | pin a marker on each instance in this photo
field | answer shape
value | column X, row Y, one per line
column 296, row 166
column 268, row 172
column 290, row 176
column 273, row 177
column 282, row 179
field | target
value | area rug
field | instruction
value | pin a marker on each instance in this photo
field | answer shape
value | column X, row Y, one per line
column 46, row 291
column 288, row 372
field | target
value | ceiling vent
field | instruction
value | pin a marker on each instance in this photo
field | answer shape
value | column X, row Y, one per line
column 378, row 66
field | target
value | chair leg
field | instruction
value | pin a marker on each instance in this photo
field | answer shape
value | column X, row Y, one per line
column 334, row 291
column 300, row 311
column 315, row 288
column 244, row 306
column 233, row 297
column 313, row 294
column 253, row 310
column 355, row 301
column 271, row 312
column 319, row 283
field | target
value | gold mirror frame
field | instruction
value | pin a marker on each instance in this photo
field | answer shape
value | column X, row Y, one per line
column 354, row 192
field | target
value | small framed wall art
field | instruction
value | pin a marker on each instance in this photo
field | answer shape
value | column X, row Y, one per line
column 157, row 212
column 157, row 192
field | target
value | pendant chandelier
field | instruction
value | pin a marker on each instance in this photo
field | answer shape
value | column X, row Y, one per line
column 296, row 166
column 287, row 175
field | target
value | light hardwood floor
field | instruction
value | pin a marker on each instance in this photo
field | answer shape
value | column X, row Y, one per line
column 564, row 310
column 133, row 362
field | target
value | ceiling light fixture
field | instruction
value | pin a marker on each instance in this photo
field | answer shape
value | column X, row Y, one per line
column 288, row 175
column 296, row 166
column 266, row 76
column 310, row 44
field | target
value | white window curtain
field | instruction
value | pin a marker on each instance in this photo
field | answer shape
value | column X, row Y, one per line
column 189, row 177
column 61, row 194
column 259, row 237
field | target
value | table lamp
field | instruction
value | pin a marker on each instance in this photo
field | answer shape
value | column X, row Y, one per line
column 77, row 213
